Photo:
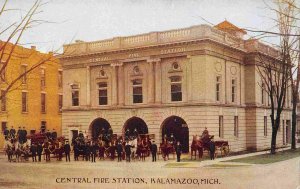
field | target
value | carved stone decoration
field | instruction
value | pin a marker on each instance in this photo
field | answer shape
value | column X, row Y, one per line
column 218, row 66
column 136, row 70
column 175, row 66
column 233, row 70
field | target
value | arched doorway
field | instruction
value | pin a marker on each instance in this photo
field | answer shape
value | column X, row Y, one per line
column 99, row 126
column 177, row 126
column 134, row 126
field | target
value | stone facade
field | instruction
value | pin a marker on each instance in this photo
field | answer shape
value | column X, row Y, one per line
column 215, row 70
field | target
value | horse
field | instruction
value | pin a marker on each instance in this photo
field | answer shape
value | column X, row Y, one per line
column 196, row 146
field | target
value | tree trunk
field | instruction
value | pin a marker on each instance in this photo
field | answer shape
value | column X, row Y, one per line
column 274, row 136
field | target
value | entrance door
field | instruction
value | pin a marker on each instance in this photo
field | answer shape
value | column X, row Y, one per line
column 177, row 127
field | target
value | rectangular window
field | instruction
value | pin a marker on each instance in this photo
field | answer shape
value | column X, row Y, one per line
column 3, row 101
column 265, row 125
column 137, row 91
column 75, row 98
column 176, row 91
column 3, row 126
column 24, row 74
column 236, row 126
column 24, row 102
column 221, row 127
column 43, row 103
column 60, row 78
column 43, row 126
column 102, row 93
column 43, row 77
column 233, row 90
column 60, row 103
column 75, row 94
column 218, row 88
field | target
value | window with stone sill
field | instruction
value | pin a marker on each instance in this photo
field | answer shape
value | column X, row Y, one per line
column 102, row 87
column 176, row 88
column 43, row 102
column 24, row 74
column 24, row 102
column 43, row 78
column 137, row 91
column 75, row 94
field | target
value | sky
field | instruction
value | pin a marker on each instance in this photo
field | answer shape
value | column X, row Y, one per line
column 92, row 20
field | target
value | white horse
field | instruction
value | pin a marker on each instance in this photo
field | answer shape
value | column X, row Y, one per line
column 134, row 144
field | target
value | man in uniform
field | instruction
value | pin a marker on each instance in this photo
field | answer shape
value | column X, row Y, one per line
column 39, row 151
column 24, row 134
column 67, row 149
column 33, row 150
column 87, row 151
column 128, row 151
column 178, row 150
column 94, row 151
column 212, row 149
column 119, row 151
column 19, row 135
column 153, row 151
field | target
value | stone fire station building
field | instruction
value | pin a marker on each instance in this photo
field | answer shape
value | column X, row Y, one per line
column 172, row 82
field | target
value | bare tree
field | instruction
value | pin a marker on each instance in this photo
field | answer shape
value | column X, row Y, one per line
column 10, row 36
column 280, row 75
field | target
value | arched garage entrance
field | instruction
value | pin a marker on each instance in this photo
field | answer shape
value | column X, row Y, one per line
column 134, row 126
column 177, row 126
column 99, row 126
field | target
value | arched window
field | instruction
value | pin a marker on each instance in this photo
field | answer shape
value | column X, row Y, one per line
column 176, row 88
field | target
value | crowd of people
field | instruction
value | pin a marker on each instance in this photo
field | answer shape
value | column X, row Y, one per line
column 90, row 149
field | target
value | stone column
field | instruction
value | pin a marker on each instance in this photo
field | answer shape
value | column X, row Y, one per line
column 151, row 83
column 158, row 73
column 114, row 85
column 121, row 81
column 88, row 86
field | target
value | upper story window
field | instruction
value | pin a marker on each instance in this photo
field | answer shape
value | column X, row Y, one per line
column 176, row 91
column 233, row 90
column 24, row 74
column 43, row 77
column 24, row 102
column 60, row 78
column 137, row 91
column 75, row 94
column 102, row 87
column 43, row 102
column 218, row 88
column 60, row 103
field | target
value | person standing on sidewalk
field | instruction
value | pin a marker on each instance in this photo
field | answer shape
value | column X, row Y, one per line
column 67, row 148
column 153, row 151
column 212, row 149
column 178, row 150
